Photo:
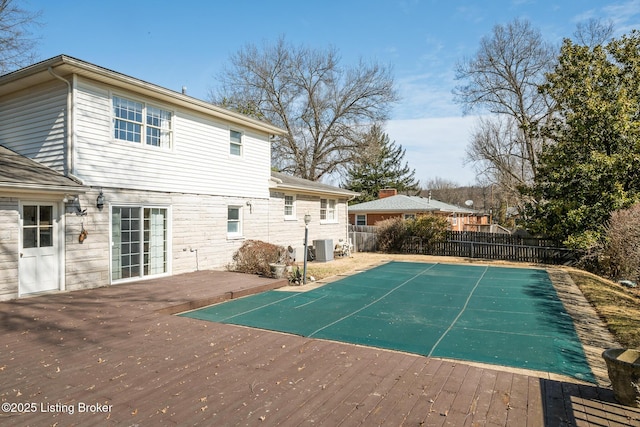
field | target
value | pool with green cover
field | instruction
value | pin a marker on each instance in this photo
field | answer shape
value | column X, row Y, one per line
column 497, row 315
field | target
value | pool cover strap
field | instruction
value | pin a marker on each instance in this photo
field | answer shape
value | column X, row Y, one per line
column 498, row 315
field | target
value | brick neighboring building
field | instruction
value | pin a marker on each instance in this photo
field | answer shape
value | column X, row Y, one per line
column 393, row 205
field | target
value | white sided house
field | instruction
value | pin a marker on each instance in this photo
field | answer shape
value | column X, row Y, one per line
column 105, row 179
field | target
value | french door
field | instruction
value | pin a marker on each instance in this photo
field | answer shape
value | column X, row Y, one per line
column 139, row 242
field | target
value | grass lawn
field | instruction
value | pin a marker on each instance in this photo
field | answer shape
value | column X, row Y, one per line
column 619, row 307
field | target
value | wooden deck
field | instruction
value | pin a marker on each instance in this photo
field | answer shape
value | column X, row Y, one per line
column 120, row 350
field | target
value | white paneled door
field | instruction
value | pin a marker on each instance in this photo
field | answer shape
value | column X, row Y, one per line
column 39, row 262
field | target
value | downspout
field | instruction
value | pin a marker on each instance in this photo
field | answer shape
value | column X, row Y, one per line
column 70, row 160
column 277, row 181
column 346, row 213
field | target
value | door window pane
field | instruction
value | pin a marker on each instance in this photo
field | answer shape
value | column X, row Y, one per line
column 46, row 214
column 30, row 238
column 46, row 237
column 30, row 215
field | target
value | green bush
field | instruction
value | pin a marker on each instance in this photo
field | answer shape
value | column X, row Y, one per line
column 254, row 257
column 429, row 228
column 396, row 235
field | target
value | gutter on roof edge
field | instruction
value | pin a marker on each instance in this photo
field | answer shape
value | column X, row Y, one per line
column 221, row 113
column 33, row 188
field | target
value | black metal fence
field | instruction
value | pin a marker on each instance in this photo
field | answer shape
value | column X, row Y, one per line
column 469, row 244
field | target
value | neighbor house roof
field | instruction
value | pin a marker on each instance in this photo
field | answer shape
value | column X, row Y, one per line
column 19, row 173
column 285, row 182
column 407, row 204
column 66, row 66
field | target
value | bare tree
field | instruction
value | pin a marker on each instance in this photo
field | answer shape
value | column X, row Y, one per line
column 498, row 150
column 502, row 79
column 441, row 189
column 593, row 32
column 16, row 41
column 326, row 109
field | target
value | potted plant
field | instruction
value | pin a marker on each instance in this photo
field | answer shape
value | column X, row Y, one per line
column 623, row 366
column 278, row 267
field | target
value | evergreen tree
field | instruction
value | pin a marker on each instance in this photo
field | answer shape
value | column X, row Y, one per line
column 592, row 167
column 380, row 166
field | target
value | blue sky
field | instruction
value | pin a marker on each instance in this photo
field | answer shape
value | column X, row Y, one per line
column 176, row 44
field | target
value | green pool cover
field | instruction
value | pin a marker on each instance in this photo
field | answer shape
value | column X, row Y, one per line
column 498, row 315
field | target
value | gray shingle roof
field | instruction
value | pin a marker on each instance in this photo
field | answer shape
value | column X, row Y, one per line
column 402, row 203
column 288, row 182
column 20, row 172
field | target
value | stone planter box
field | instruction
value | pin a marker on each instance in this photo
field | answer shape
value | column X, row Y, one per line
column 623, row 366
column 277, row 270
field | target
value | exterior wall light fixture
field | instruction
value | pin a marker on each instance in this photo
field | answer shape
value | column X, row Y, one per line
column 100, row 200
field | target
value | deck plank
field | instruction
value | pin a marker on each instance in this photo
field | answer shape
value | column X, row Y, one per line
column 119, row 346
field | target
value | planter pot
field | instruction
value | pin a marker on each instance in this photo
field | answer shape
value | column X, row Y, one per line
column 277, row 270
column 623, row 366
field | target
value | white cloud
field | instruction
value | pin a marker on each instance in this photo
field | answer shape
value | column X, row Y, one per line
column 435, row 147
column 426, row 95
column 623, row 15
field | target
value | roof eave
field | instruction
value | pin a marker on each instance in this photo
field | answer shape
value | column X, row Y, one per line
column 388, row 211
column 306, row 190
column 65, row 65
column 39, row 188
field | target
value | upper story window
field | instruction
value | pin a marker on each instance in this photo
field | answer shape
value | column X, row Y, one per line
column 235, row 145
column 133, row 119
column 327, row 210
column 289, row 207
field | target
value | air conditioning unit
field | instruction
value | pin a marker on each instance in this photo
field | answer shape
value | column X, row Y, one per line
column 324, row 250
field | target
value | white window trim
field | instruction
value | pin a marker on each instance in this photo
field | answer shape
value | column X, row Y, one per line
column 238, row 234
column 143, row 135
column 361, row 216
column 241, row 144
column 333, row 220
column 291, row 217
column 169, row 242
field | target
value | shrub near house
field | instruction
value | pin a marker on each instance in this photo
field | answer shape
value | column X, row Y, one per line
column 254, row 257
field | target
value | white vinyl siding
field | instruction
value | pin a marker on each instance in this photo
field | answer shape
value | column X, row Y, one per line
column 198, row 163
column 34, row 122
